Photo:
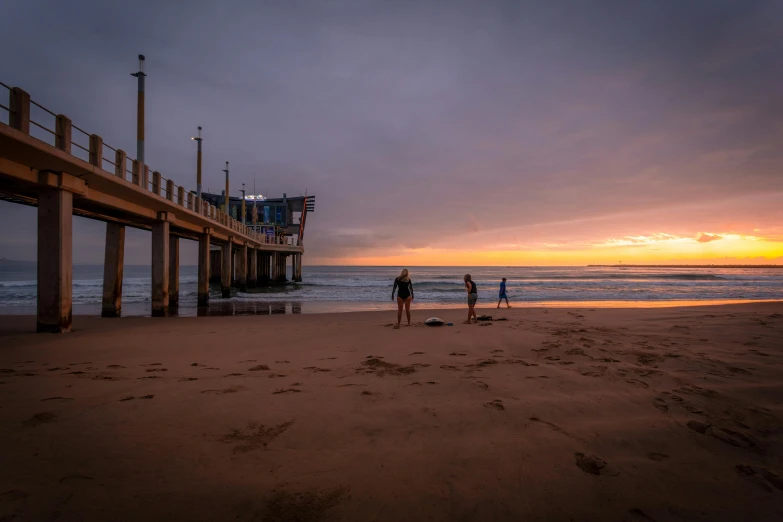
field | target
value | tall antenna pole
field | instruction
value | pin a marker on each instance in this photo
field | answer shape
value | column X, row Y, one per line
column 140, row 111
column 225, row 198
column 198, row 165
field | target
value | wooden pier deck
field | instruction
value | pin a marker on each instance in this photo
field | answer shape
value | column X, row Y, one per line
column 122, row 192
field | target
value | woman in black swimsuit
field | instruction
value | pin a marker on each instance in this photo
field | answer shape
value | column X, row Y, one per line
column 470, row 286
column 404, row 287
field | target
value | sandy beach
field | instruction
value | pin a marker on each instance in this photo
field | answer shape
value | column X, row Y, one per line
column 551, row 414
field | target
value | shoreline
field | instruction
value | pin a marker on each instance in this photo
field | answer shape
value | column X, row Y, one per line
column 636, row 413
column 241, row 306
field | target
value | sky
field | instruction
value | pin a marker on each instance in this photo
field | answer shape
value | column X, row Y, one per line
column 437, row 132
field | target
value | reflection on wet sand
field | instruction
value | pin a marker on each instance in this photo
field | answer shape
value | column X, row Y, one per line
column 222, row 308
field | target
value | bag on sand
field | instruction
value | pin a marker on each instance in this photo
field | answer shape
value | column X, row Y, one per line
column 434, row 321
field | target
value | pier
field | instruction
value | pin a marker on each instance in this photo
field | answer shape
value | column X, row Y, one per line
column 106, row 185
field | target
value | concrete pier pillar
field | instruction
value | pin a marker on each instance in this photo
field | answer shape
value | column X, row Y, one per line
column 203, row 268
column 160, row 268
column 252, row 277
column 55, row 260
column 113, row 263
column 297, row 262
column 225, row 270
column 280, row 268
column 242, row 268
column 173, row 273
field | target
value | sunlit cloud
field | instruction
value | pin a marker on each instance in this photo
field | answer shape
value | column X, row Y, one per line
column 704, row 237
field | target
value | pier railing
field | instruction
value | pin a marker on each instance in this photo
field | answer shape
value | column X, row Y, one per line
column 28, row 116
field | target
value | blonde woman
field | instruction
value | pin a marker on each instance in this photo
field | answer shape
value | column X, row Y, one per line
column 404, row 287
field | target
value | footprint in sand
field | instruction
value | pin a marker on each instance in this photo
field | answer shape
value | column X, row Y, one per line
column 497, row 404
column 224, row 391
column 153, row 364
column 760, row 476
column 459, row 354
column 260, row 367
column 637, row 382
column 157, row 370
column 282, row 362
column 247, row 361
column 590, row 463
column 131, row 397
column 254, row 436
column 416, row 353
column 657, row 457
column 40, row 418
column 286, row 390
column 638, row 514
column 275, row 375
column 316, row 369
column 661, row 404
column 184, row 379
column 116, row 366
column 58, row 399
column 234, row 374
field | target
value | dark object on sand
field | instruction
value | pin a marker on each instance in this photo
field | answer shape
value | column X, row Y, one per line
column 434, row 321
column 484, row 318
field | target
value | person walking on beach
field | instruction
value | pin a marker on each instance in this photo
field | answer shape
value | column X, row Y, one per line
column 502, row 294
column 470, row 286
column 404, row 287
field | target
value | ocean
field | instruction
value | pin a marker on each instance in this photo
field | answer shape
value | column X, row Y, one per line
column 351, row 288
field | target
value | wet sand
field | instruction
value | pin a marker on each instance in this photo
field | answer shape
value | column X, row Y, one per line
column 552, row 414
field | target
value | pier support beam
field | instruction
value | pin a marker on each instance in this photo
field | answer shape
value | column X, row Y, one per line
column 203, row 268
column 113, row 264
column 225, row 270
column 252, row 278
column 264, row 271
column 160, row 269
column 55, row 260
column 297, row 262
column 173, row 273
column 242, row 268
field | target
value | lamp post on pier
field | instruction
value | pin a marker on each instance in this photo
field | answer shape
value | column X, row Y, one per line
column 243, row 203
column 225, row 198
column 198, row 164
column 140, row 112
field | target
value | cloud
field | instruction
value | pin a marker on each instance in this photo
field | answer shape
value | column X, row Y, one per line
column 704, row 237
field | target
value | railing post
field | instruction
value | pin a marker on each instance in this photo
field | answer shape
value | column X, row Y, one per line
column 19, row 103
column 170, row 190
column 136, row 176
column 190, row 200
column 120, row 160
column 62, row 136
column 181, row 196
column 145, row 178
column 96, row 151
column 156, row 182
